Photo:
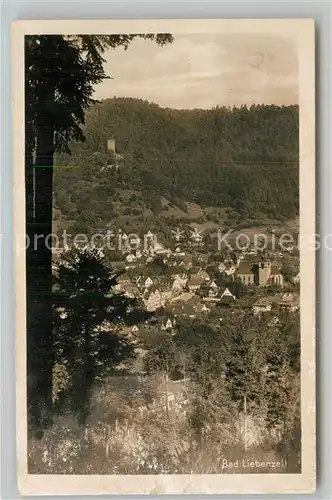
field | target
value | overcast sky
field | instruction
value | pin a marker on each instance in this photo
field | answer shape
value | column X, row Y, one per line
column 202, row 71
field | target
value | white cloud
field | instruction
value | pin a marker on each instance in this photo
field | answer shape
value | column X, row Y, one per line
column 205, row 70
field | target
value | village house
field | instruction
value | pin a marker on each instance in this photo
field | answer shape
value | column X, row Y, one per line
column 195, row 282
column 203, row 274
column 245, row 273
column 225, row 298
column 154, row 301
column 185, row 296
column 149, row 240
column 221, row 267
column 213, row 285
column 168, row 325
column 242, row 256
column 130, row 258
column 129, row 291
column 124, row 243
column 229, row 269
column 122, row 283
column 131, row 261
column 179, row 283
column 226, row 301
column 289, row 302
column 213, row 290
column 275, row 276
column 178, row 252
column 212, row 293
column 221, row 297
column 148, row 282
column 159, row 249
column 171, row 396
column 166, row 295
column 174, row 261
column 227, row 293
column 202, row 308
column 149, row 244
column 296, row 279
column 262, row 305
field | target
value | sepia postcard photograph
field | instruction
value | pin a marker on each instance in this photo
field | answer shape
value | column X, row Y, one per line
column 164, row 185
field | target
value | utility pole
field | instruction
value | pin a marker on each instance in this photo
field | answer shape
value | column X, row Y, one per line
column 166, row 393
column 245, row 421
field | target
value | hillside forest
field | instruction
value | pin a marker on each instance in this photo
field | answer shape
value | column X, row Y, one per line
column 233, row 165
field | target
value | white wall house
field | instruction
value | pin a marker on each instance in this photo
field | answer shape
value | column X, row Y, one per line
column 148, row 282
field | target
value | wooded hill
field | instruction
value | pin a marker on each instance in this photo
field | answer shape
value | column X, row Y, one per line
column 244, row 160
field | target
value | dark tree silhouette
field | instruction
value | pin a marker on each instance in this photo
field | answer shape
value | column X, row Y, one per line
column 87, row 315
column 60, row 75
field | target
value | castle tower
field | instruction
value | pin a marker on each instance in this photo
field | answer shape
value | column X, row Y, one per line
column 264, row 272
column 111, row 145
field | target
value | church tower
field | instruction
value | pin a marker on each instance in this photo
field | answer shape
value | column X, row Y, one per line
column 264, row 272
column 111, row 146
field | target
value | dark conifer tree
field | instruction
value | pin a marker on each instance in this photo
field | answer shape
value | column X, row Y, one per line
column 60, row 75
column 87, row 316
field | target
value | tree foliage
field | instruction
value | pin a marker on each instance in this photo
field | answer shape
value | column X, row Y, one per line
column 241, row 357
column 88, row 315
column 61, row 72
